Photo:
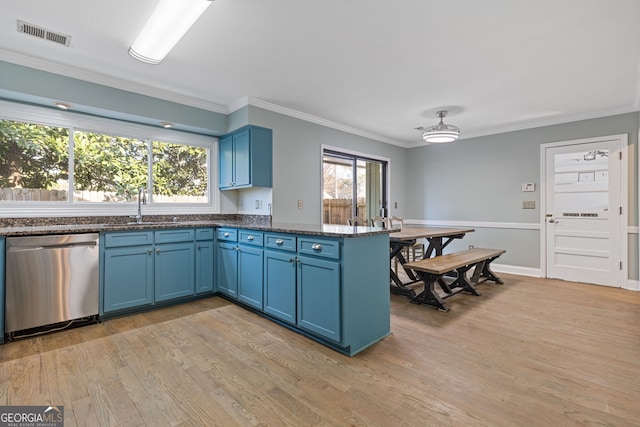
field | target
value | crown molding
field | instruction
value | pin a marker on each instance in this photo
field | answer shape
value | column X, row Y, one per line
column 117, row 83
column 106, row 80
column 260, row 103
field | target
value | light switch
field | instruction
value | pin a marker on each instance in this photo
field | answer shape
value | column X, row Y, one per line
column 299, row 204
column 530, row 186
column 529, row 204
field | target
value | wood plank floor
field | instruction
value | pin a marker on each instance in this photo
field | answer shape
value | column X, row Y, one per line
column 533, row 352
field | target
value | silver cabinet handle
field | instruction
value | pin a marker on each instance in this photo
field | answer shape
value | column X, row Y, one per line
column 250, row 238
column 198, row 246
column 279, row 242
column 226, row 234
column 157, row 250
column 149, row 251
column 316, row 246
column 292, row 259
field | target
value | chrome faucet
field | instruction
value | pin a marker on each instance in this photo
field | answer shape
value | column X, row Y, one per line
column 142, row 200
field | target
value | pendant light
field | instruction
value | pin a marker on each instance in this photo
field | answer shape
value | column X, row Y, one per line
column 441, row 132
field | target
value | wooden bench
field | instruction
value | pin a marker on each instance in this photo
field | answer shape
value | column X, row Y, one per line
column 432, row 270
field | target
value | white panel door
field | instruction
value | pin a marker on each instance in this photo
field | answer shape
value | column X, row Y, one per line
column 583, row 212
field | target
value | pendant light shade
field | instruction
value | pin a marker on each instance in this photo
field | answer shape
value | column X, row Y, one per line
column 441, row 132
column 170, row 20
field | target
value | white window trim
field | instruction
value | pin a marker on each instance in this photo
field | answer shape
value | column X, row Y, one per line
column 50, row 117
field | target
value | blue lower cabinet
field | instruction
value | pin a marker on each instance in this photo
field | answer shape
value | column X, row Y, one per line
column 227, row 268
column 280, row 285
column 319, row 297
column 128, row 277
column 204, row 266
column 250, row 264
column 140, row 268
column 174, row 270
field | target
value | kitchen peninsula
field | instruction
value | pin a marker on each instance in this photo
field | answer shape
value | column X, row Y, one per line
column 327, row 282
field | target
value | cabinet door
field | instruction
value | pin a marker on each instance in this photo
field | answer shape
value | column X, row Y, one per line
column 280, row 285
column 250, row 276
column 227, row 269
column 319, row 297
column 226, row 162
column 204, row 266
column 128, row 277
column 174, row 268
column 242, row 158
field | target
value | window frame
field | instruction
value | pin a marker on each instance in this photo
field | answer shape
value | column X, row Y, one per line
column 86, row 123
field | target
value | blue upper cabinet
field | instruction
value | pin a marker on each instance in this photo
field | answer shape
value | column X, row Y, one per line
column 246, row 158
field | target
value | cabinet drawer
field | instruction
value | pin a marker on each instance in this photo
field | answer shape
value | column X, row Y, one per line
column 173, row 236
column 319, row 247
column 128, row 238
column 286, row 242
column 204, row 233
column 227, row 234
column 250, row 237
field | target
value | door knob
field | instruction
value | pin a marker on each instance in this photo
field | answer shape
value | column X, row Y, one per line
column 552, row 220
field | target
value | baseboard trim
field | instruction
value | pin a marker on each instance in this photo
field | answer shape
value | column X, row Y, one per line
column 516, row 269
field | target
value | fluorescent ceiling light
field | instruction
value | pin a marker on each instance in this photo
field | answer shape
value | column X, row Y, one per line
column 170, row 20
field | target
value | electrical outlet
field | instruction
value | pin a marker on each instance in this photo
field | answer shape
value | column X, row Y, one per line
column 471, row 246
column 299, row 204
column 257, row 204
column 529, row 204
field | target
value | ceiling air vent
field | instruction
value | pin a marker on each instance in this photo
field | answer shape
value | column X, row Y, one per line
column 43, row 33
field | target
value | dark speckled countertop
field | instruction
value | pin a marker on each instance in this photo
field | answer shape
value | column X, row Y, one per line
column 66, row 225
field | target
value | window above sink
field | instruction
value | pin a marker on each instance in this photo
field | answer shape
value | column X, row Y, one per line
column 72, row 164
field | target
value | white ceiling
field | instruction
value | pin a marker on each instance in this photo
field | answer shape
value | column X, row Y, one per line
column 382, row 67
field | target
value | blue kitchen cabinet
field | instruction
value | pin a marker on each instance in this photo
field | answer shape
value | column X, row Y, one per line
column 245, row 158
column 174, row 263
column 143, row 267
column 227, row 268
column 332, row 289
column 128, row 277
column 250, row 262
column 204, row 260
column 250, row 275
column 174, row 270
column 280, row 285
column 2, row 286
column 239, row 265
column 318, row 297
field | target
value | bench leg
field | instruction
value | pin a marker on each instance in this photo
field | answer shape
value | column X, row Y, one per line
column 483, row 271
column 462, row 282
column 429, row 296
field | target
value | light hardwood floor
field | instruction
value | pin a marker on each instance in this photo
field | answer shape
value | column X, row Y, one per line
column 530, row 353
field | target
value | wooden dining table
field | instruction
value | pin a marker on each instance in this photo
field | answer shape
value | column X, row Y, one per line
column 438, row 238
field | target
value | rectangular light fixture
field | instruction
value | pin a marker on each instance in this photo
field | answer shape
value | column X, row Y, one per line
column 170, row 20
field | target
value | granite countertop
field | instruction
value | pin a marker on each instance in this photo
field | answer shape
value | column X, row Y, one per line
column 86, row 226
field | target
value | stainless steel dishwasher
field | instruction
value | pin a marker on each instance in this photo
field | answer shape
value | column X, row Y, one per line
column 50, row 279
